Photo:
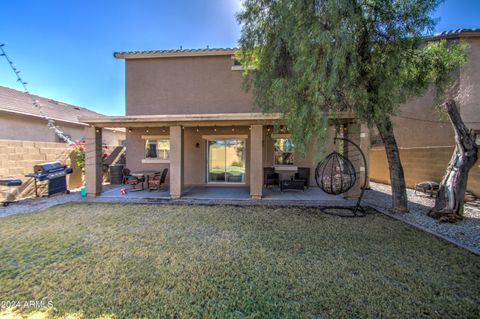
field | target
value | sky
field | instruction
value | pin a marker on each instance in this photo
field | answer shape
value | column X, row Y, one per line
column 64, row 48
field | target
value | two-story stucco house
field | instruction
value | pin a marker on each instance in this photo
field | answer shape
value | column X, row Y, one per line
column 186, row 110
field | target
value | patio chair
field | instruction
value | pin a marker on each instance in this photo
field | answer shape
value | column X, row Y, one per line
column 303, row 173
column 157, row 180
column 131, row 180
column 270, row 177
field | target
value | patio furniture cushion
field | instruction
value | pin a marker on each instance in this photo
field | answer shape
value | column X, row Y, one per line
column 157, row 180
column 10, row 182
column 303, row 173
column 153, row 182
column 270, row 177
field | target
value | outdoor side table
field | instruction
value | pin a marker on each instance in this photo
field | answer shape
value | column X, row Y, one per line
column 298, row 184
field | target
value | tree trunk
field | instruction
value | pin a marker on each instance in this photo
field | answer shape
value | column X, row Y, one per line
column 449, row 202
column 397, row 178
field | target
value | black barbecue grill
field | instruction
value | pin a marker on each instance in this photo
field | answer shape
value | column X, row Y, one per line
column 56, row 175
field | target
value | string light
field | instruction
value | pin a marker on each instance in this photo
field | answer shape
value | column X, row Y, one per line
column 35, row 103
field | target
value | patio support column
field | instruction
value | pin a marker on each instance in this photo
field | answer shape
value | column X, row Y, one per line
column 256, row 161
column 353, row 134
column 176, row 161
column 365, row 146
column 93, row 161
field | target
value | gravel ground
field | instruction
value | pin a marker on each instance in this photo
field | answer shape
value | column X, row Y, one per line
column 465, row 233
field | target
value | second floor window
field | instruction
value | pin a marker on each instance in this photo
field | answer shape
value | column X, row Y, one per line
column 283, row 151
column 157, row 149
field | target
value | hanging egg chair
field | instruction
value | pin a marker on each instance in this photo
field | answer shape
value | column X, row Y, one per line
column 335, row 174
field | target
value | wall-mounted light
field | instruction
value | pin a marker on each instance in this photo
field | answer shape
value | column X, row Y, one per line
column 147, row 131
column 198, row 130
column 233, row 129
column 129, row 130
column 215, row 129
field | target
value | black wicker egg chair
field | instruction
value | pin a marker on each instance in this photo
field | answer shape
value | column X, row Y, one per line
column 336, row 175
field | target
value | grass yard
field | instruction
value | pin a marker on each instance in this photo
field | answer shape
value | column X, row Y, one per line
column 156, row 261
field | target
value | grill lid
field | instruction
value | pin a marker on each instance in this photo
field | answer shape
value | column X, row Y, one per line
column 47, row 168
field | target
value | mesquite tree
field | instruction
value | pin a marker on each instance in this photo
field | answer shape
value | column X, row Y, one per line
column 313, row 58
column 449, row 202
column 444, row 67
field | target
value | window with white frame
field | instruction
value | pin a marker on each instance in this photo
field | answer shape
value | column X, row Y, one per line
column 283, row 151
column 157, row 148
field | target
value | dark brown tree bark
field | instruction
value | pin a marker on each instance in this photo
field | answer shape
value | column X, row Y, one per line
column 449, row 202
column 397, row 177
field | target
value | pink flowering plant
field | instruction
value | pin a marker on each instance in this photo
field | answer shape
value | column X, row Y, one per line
column 79, row 151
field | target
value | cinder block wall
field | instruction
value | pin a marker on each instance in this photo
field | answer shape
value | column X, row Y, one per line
column 420, row 164
column 17, row 158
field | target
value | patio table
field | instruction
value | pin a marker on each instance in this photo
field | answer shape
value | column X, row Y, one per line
column 144, row 175
column 286, row 172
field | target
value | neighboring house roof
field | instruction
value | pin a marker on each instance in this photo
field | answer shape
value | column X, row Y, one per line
column 17, row 102
column 174, row 53
column 460, row 33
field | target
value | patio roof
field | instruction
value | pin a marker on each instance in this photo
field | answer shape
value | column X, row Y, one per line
column 219, row 119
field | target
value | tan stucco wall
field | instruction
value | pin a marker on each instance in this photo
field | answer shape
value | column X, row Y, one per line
column 470, row 86
column 112, row 137
column 135, row 149
column 420, row 164
column 27, row 128
column 415, row 133
column 18, row 127
column 426, row 147
column 189, row 85
column 195, row 157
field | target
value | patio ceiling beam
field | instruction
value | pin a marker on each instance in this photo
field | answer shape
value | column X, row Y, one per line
column 195, row 120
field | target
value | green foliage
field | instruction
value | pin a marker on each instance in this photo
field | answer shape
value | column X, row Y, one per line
column 78, row 149
column 307, row 59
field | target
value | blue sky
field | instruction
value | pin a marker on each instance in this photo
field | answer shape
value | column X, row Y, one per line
column 64, row 48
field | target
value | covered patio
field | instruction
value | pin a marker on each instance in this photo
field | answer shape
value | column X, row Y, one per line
column 225, row 193
column 188, row 162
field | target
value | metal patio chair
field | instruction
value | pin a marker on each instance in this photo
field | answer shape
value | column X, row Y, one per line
column 158, row 179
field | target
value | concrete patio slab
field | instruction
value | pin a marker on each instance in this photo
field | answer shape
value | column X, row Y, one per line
column 216, row 193
column 310, row 194
column 114, row 192
column 225, row 193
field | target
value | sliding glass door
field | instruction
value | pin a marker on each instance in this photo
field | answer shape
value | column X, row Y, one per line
column 226, row 161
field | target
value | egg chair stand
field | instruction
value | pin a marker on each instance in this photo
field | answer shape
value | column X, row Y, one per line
column 336, row 175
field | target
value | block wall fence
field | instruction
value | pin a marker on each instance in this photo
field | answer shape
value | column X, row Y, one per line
column 420, row 164
column 17, row 159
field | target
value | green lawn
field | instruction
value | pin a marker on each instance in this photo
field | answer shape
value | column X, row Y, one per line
column 104, row 260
